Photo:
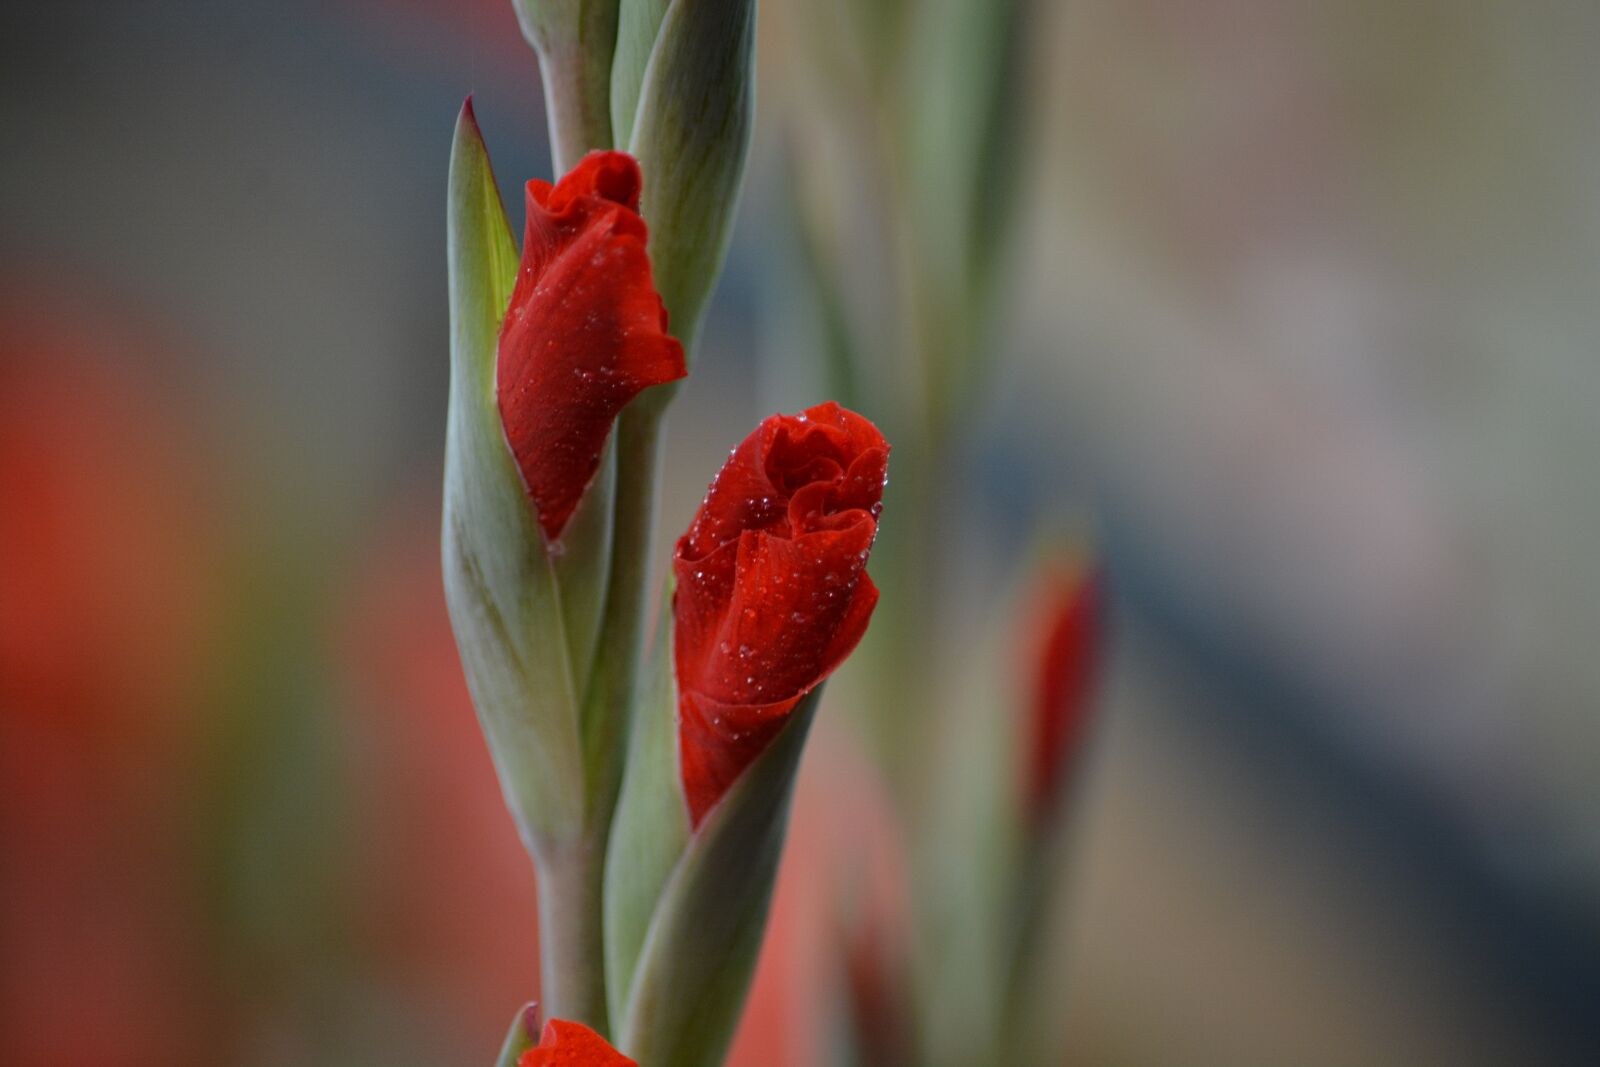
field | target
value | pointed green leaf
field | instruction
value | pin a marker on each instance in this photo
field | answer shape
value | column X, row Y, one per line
column 695, row 966
column 523, row 1035
column 967, row 847
column 966, row 144
column 499, row 584
column 1000, row 144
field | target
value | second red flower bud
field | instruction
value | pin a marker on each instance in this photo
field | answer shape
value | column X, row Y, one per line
column 586, row 331
column 773, row 591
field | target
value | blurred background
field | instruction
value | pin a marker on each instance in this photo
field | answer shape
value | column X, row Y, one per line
column 1300, row 308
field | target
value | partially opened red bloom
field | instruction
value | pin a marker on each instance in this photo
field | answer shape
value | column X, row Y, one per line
column 772, row 590
column 585, row 332
column 1067, row 651
column 564, row 1044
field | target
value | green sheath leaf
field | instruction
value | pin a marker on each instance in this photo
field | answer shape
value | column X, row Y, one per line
column 652, row 822
column 499, row 582
column 695, row 965
column 523, row 1035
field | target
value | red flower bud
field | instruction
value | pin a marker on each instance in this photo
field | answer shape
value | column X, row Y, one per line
column 1067, row 651
column 565, row 1044
column 772, row 590
column 585, row 332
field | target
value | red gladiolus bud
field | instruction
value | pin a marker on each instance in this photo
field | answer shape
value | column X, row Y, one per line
column 585, row 333
column 565, row 1044
column 1067, row 651
column 772, row 590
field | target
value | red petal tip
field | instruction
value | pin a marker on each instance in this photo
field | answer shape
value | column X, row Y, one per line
column 568, row 1044
column 1067, row 625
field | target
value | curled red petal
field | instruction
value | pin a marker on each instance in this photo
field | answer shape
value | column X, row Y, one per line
column 568, row 1044
column 772, row 590
column 1067, row 653
column 826, row 448
column 585, row 332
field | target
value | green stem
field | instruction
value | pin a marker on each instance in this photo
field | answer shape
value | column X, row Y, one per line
column 910, row 686
column 608, row 705
column 572, row 882
column 571, row 937
column 577, row 107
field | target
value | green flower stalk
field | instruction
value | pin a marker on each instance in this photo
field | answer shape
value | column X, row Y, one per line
column 574, row 40
column 693, row 139
column 989, row 898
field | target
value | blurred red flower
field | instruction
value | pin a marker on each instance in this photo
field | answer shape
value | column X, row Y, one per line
column 585, row 333
column 1065, row 625
column 107, row 597
column 448, row 898
column 772, row 589
column 842, row 898
column 565, row 1044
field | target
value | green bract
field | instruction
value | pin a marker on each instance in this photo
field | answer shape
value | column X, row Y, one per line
column 500, row 581
column 685, row 912
column 527, row 614
column 522, row 1036
column 652, row 821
